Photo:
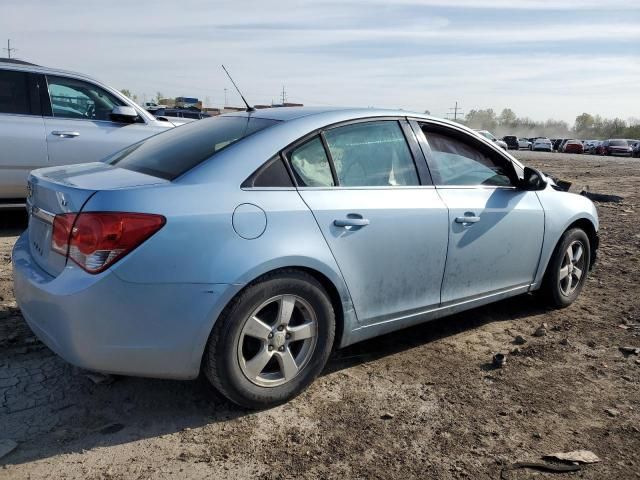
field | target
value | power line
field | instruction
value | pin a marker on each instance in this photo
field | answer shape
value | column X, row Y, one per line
column 455, row 111
column 9, row 49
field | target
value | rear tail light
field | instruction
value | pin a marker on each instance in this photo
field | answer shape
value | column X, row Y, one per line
column 96, row 240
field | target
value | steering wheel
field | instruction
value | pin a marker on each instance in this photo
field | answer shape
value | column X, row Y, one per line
column 91, row 110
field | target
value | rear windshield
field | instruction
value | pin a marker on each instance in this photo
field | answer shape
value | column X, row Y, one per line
column 618, row 143
column 176, row 151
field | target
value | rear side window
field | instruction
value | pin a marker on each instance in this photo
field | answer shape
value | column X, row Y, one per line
column 310, row 165
column 176, row 151
column 14, row 92
column 371, row 154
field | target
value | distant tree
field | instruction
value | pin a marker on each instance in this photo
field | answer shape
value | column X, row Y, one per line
column 482, row 119
column 508, row 118
column 584, row 125
column 126, row 92
column 159, row 95
column 427, row 112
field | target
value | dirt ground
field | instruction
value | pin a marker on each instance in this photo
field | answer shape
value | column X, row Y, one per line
column 419, row 403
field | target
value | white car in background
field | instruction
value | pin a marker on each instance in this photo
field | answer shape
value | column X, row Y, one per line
column 53, row 117
column 542, row 145
column 487, row 134
column 524, row 143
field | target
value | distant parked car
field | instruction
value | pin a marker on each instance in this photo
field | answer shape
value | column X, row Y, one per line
column 573, row 146
column 511, row 141
column 181, row 113
column 152, row 106
column 542, row 145
column 635, row 152
column 589, row 145
column 490, row 136
column 524, row 143
column 615, row 147
column 53, row 117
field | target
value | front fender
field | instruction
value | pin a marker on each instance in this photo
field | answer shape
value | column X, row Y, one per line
column 562, row 209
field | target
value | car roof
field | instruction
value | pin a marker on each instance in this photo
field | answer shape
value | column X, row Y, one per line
column 21, row 65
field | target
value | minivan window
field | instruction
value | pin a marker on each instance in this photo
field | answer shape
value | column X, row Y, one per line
column 71, row 98
column 371, row 154
column 14, row 92
column 174, row 152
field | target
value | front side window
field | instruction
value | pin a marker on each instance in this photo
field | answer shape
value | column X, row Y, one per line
column 72, row 98
column 454, row 162
column 310, row 165
column 14, row 92
column 371, row 154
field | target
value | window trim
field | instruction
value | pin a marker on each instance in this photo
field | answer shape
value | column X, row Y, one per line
column 424, row 177
column 461, row 134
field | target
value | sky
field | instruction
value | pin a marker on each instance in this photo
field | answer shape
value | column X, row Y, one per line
column 543, row 59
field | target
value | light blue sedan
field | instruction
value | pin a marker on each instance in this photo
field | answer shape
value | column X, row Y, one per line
column 248, row 246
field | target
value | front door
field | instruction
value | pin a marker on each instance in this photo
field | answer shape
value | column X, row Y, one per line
column 387, row 232
column 80, row 128
column 495, row 229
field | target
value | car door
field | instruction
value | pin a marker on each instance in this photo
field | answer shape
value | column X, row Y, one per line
column 79, row 127
column 22, row 134
column 495, row 228
column 386, row 228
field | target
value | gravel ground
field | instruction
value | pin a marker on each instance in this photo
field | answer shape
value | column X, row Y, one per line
column 423, row 402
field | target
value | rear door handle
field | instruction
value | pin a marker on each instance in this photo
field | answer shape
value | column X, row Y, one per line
column 61, row 134
column 351, row 222
column 468, row 219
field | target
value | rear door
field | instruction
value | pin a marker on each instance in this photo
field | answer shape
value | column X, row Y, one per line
column 495, row 229
column 79, row 127
column 22, row 136
column 386, row 228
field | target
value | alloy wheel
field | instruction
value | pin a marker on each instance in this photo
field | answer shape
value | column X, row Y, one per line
column 277, row 340
column 572, row 268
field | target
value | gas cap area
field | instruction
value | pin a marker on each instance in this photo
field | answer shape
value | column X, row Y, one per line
column 249, row 221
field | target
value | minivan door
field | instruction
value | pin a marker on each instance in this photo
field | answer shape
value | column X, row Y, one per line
column 387, row 232
column 79, row 127
column 22, row 133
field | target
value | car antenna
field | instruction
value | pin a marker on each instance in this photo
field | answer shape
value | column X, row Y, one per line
column 249, row 108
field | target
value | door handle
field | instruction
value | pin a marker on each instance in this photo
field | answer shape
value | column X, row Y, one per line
column 60, row 134
column 468, row 219
column 351, row 222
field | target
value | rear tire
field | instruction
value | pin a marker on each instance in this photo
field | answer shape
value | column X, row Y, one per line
column 568, row 268
column 260, row 364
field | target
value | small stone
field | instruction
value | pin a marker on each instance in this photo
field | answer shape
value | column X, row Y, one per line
column 386, row 416
column 591, row 344
column 519, row 340
column 100, row 378
column 627, row 378
column 630, row 350
column 564, row 341
column 612, row 412
column 540, row 332
column 499, row 360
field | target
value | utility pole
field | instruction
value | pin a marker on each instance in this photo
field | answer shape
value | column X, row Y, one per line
column 225, row 97
column 9, row 49
column 284, row 95
column 455, row 111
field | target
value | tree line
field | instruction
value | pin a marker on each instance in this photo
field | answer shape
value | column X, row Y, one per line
column 586, row 125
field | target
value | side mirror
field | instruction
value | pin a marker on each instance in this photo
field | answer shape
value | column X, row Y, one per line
column 532, row 180
column 124, row 114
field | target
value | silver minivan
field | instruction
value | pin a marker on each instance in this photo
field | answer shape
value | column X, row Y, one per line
column 53, row 117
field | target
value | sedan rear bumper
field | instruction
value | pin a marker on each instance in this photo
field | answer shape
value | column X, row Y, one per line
column 102, row 323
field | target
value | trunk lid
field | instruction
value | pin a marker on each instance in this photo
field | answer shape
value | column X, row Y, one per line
column 55, row 190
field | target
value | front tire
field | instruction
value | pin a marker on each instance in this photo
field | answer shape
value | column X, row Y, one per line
column 271, row 341
column 568, row 268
